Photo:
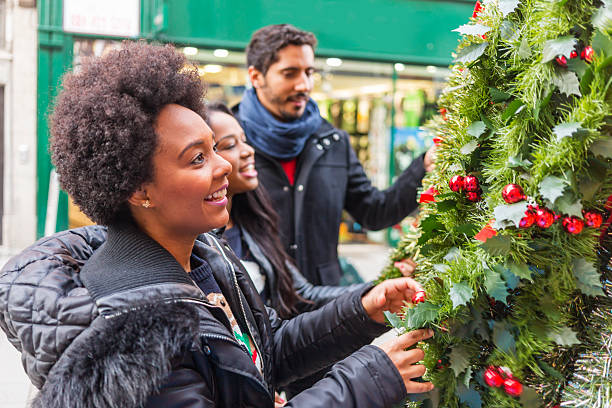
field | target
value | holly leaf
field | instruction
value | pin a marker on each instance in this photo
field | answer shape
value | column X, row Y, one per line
column 431, row 223
column 459, row 360
column 511, row 279
column 498, row 96
column 587, row 278
column 578, row 66
column 512, row 109
column 601, row 42
column 568, row 129
column 495, row 285
column 560, row 46
column 518, row 162
column 394, row 320
column 588, row 187
column 503, row 338
column 563, row 336
column 472, row 29
column 417, row 316
column 552, row 188
column 507, row 215
column 469, row 396
column 530, row 398
column 508, row 30
column 471, row 52
column 467, row 377
column 460, row 294
column 442, row 268
column 602, row 147
column 467, row 229
column 520, row 269
column 524, row 50
column 452, row 254
column 569, row 204
column 476, row 129
column 508, row 6
column 497, row 245
column 478, row 325
column 567, row 82
column 469, row 147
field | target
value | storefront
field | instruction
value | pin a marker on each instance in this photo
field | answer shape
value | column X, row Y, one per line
column 380, row 66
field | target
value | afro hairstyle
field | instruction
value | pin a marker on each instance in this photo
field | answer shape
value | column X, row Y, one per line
column 102, row 126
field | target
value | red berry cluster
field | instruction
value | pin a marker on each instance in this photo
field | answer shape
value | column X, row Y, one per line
column 469, row 184
column 544, row 218
column 502, row 376
column 586, row 54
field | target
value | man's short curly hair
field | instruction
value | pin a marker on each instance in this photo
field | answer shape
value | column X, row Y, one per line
column 102, row 127
column 266, row 42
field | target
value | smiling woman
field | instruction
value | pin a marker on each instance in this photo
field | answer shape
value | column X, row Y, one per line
column 151, row 310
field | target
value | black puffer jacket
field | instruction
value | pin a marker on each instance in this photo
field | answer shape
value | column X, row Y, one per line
column 124, row 326
column 329, row 178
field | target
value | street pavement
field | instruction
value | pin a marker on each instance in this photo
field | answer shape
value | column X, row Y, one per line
column 16, row 389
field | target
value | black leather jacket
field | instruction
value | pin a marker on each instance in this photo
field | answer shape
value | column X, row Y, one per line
column 329, row 179
column 117, row 323
column 317, row 295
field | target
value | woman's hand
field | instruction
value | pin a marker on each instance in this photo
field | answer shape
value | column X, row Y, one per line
column 406, row 266
column 389, row 295
column 405, row 360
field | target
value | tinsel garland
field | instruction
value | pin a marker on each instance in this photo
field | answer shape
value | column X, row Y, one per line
column 515, row 113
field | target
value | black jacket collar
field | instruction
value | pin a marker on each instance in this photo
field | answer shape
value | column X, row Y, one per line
column 129, row 259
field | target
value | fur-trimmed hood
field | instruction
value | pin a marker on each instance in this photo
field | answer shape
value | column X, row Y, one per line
column 101, row 369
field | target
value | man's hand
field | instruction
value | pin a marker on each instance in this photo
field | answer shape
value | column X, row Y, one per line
column 406, row 266
column 389, row 295
column 429, row 162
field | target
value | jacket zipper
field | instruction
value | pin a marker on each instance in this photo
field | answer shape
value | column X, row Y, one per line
column 263, row 370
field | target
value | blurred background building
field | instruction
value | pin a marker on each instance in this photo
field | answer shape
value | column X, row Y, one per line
column 381, row 65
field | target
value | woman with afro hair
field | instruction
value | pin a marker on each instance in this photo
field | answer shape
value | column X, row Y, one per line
column 147, row 309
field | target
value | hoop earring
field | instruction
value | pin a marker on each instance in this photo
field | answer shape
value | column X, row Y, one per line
column 146, row 204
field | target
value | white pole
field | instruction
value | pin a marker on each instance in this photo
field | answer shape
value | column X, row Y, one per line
column 52, row 203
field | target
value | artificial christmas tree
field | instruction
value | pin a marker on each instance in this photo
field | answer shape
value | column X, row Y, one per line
column 511, row 274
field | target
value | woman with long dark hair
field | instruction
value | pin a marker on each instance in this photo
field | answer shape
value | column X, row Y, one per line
column 253, row 232
column 148, row 309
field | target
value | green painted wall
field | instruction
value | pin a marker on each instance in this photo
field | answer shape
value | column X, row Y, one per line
column 408, row 31
column 389, row 30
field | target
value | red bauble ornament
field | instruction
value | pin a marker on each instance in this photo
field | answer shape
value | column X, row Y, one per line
column 573, row 54
column 492, row 377
column 419, row 297
column 573, row 225
column 528, row 220
column 477, row 9
column 456, row 183
column 513, row 387
column 513, row 193
column 587, row 54
column 593, row 219
column 473, row 196
column 470, row 183
column 561, row 61
column 544, row 218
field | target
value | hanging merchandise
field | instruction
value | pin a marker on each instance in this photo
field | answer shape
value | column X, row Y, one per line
column 509, row 251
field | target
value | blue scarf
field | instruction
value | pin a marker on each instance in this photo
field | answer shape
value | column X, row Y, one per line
column 282, row 140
